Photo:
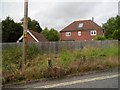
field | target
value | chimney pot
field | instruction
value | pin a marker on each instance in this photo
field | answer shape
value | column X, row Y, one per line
column 93, row 19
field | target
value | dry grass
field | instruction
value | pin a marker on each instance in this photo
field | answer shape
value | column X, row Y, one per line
column 64, row 63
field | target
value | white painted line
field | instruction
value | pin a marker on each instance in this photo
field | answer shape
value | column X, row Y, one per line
column 77, row 81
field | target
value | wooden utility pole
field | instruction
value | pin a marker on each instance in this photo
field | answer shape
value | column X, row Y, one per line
column 25, row 26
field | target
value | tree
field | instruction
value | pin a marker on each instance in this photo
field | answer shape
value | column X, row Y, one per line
column 11, row 31
column 51, row 35
column 111, row 26
column 33, row 25
column 117, row 22
column 45, row 32
column 116, row 34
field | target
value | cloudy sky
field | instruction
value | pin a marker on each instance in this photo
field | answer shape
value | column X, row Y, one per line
column 59, row 13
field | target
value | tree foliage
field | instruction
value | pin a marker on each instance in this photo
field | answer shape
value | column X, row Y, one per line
column 111, row 27
column 33, row 25
column 116, row 34
column 11, row 30
column 45, row 32
column 51, row 35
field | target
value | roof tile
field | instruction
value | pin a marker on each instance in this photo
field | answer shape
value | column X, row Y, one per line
column 87, row 25
column 38, row 36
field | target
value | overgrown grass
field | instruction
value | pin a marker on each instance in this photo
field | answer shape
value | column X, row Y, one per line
column 12, row 57
column 65, row 63
column 87, row 54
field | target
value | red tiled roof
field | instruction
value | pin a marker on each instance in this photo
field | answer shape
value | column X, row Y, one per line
column 87, row 25
column 38, row 36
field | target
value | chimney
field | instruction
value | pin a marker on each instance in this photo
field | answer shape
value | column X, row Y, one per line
column 93, row 19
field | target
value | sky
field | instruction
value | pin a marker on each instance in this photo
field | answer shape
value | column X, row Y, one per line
column 60, row 13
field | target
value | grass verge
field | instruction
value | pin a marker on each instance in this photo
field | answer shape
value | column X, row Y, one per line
column 65, row 63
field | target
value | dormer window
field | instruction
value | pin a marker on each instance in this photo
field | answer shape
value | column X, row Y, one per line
column 80, row 25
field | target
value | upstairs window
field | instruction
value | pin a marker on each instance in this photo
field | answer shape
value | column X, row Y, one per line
column 79, row 33
column 93, row 33
column 80, row 25
column 68, row 33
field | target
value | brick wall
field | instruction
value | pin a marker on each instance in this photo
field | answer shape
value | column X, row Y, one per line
column 85, row 35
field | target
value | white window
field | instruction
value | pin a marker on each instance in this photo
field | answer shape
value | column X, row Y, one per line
column 93, row 33
column 68, row 33
column 80, row 25
column 79, row 33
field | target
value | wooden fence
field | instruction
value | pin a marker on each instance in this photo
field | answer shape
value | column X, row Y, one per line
column 55, row 47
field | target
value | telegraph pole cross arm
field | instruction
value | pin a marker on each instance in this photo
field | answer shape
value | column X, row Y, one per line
column 25, row 27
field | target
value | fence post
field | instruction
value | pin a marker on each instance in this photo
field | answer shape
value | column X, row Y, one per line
column 49, row 63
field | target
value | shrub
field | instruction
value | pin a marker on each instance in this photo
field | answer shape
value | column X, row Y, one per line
column 100, row 38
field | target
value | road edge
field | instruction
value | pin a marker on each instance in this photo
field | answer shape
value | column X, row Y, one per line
column 67, row 76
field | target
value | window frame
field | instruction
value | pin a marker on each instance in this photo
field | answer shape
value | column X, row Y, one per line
column 80, row 25
column 68, row 34
column 79, row 33
column 93, row 33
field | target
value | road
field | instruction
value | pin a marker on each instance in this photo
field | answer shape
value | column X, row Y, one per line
column 108, row 79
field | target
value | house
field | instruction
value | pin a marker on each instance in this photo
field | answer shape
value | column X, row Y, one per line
column 33, row 36
column 81, row 30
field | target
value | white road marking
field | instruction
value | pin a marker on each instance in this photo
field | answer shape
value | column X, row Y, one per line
column 77, row 81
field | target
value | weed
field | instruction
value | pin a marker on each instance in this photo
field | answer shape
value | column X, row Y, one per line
column 64, row 63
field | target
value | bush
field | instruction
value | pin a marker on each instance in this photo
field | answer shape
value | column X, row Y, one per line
column 100, row 38
column 116, row 34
